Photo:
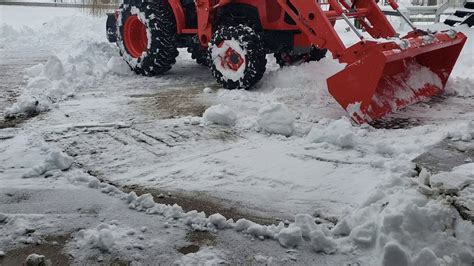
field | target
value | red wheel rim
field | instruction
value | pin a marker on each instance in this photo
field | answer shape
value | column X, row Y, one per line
column 134, row 36
column 232, row 59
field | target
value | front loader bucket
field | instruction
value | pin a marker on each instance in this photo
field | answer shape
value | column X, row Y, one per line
column 386, row 80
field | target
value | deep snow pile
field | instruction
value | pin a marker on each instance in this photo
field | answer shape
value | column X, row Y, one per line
column 83, row 60
column 59, row 79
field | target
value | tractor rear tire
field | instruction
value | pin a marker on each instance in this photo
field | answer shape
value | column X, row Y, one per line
column 288, row 59
column 146, row 37
column 237, row 57
column 200, row 54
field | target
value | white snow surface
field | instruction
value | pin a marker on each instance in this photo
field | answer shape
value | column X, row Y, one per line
column 277, row 119
column 347, row 191
column 220, row 115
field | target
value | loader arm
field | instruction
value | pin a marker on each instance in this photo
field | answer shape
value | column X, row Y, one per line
column 380, row 76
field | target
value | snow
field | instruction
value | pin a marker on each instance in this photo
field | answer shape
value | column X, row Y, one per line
column 322, row 243
column 426, row 257
column 345, row 190
column 106, row 237
column 55, row 160
column 207, row 90
column 35, row 259
column 290, row 237
column 394, row 255
column 118, row 66
column 202, row 257
column 337, row 132
column 220, row 115
column 276, row 118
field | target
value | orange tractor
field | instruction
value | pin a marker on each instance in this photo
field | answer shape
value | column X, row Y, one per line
column 232, row 37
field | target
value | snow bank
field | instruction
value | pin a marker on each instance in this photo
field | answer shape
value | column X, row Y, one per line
column 220, row 115
column 407, row 227
column 82, row 58
column 338, row 132
column 61, row 77
column 277, row 119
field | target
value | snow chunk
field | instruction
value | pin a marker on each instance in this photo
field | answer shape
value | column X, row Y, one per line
column 53, row 69
column 207, row 90
column 105, row 238
column 364, row 234
column 220, row 114
column 290, row 237
column 205, row 256
column 306, row 223
column 242, row 224
column 59, row 159
column 449, row 182
column 321, row 243
column 338, row 132
column 37, row 260
column 426, row 257
column 146, row 201
column 218, row 220
column 118, row 66
column 276, row 118
column 394, row 255
column 55, row 160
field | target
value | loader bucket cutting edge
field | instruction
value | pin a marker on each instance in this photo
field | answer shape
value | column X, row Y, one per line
column 385, row 81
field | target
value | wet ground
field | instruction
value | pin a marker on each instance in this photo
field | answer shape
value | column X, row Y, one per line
column 12, row 70
column 446, row 155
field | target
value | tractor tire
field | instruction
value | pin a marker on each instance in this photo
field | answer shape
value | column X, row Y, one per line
column 146, row 37
column 199, row 54
column 237, row 57
column 288, row 59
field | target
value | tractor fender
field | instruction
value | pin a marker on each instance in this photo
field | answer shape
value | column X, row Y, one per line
column 241, row 14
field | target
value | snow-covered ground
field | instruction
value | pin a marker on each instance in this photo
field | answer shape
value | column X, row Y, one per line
column 285, row 149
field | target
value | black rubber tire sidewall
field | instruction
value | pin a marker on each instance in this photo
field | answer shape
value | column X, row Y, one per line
column 255, row 59
column 162, row 51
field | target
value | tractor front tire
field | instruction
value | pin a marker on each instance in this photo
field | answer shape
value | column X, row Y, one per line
column 146, row 37
column 288, row 59
column 237, row 57
column 200, row 54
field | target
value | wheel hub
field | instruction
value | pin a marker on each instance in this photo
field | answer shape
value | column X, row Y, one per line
column 231, row 59
column 135, row 36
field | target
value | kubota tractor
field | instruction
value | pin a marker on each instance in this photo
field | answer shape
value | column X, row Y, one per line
column 233, row 37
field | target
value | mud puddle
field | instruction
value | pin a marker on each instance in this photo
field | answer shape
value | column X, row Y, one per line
column 173, row 103
column 200, row 201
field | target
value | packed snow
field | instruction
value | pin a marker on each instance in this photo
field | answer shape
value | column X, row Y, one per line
column 342, row 193
column 220, row 115
column 277, row 119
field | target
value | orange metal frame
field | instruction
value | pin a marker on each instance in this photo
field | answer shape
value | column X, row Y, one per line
column 315, row 23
